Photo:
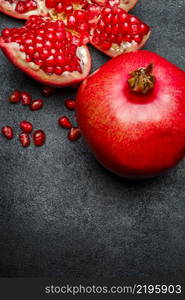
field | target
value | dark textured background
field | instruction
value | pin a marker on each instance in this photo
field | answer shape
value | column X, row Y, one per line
column 61, row 213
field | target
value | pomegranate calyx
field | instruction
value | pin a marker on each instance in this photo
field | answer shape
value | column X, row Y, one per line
column 142, row 80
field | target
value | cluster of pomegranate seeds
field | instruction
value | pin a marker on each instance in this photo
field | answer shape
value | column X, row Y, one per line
column 23, row 6
column 7, row 132
column 74, row 132
column 70, row 104
column 47, row 44
column 64, row 6
column 26, row 127
column 26, row 100
column 117, row 26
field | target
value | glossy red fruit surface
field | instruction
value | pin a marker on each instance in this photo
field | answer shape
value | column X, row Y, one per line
column 24, row 139
column 15, row 97
column 64, row 122
column 133, row 131
column 22, row 9
column 7, row 132
column 26, row 98
column 39, row 138
column 26, row 126
column 36, row 104
column 48, row 52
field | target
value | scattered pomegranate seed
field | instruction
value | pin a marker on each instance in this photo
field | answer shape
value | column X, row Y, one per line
column 70, row 104
column 39, row 138
column 47, row 91
column 15, row 97
column 36, row 104
column 24, row 139
column 7, row 132
column 74, row 134
column 26, row 98
column 64, row 122
column 26, row 126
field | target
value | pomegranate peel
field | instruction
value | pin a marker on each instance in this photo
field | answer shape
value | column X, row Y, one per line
column 134, row 132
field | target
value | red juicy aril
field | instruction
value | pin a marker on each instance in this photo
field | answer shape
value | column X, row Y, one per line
column 24, row 139
column 45, row 50
column 22, row 9
column 131, row 112
column 7, row 132
column 117, row 32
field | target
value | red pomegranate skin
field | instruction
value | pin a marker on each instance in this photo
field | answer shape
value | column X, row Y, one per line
column 134, row 135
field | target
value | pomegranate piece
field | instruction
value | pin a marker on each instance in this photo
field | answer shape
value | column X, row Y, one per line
column 74, row 134
column 47, row 91
column 36, row 104
column 39, row 138
column 15, row 97
column 70, row 104
column 7, row 132
column 131, row 114
column 26, row 126
column 22, row 9
column 125, row 4
column 109, row 28
column 64, row 122
column 117, row 32
column 26, row 98
column 24, row 139
column 48, row 52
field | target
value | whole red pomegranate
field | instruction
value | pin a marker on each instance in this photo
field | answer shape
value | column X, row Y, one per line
column 131, row 112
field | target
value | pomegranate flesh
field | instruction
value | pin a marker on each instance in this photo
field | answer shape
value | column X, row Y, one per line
column 22, row 9
column 48, row 52
column 131, row 113
column 125, row 4
column 117, row 32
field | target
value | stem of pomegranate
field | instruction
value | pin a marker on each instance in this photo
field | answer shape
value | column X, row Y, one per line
column 142, row 80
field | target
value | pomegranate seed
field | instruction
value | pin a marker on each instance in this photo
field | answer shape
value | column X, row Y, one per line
column 26, row 126
column 36, row 104
column 24, row 139
column 26, row 98
column 39, row 138
column 74, row 134
column 15, row 97
column 7, row 132
column 70, row 104
column 47, row 91
column 64, row 122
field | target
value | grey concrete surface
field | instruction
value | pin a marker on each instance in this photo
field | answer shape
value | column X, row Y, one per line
column 61, row 213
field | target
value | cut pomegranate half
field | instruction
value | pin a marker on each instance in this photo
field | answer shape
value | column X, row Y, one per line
column 116, row 32
column 22, row 9
column 125, row 4
column 48, row 52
